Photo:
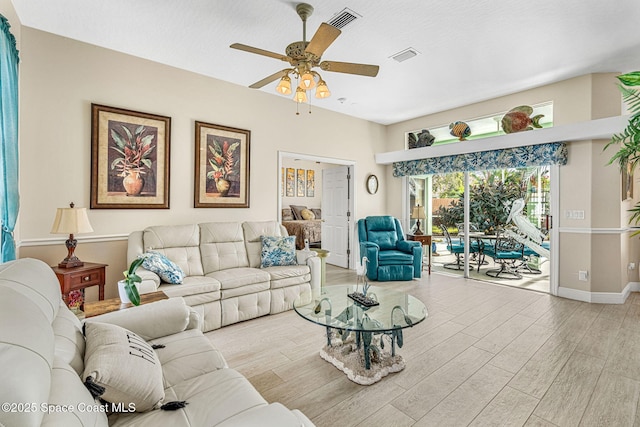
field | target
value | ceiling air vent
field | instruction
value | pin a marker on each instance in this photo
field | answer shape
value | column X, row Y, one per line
column 405, row 54
column 343, row 18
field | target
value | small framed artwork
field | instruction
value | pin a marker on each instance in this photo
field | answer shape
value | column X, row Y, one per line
column 300, row 183
column 222, row 166
column 129, row 159
column 311, row 183
column 627, row 182
column 291, row 182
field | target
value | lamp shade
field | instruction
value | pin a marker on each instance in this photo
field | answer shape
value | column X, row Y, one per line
column 418, row 213
column 306, row 81
column 322, row 91
column 300, row 95
column 284, row 87
column 71, row 221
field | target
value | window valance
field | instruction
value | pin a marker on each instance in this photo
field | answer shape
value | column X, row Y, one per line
column 554, row 153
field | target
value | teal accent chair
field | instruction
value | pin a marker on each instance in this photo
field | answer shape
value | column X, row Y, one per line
column 390, row 256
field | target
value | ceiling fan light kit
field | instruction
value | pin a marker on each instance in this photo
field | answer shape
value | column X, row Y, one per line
column 303, row 56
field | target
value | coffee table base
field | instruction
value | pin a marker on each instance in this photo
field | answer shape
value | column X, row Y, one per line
column 350, row 361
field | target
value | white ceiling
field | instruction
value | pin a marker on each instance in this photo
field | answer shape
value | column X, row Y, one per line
column 470, row 50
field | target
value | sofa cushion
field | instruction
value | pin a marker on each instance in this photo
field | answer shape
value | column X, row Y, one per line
column 168, row 270
column 123, row 364
column 179, row 243
column 288, row 276
column 193, row 285
column 278, row 251
column 238, row 277
column 213, row 398
column 187, row 355
column 69, row 341
column 253, row 230
column 222, row 246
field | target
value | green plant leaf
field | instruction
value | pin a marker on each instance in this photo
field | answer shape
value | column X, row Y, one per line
column 134, row 266
column 128, row 132
column 630, row 79
column 117, row 138
column 132, row 293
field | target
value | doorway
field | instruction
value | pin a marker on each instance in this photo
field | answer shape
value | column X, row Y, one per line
column 338, row 204
column 489, row 211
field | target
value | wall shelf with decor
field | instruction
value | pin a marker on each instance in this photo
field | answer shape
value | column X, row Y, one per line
column 593, row 129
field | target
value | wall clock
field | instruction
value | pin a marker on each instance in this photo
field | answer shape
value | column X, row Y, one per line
column 372, row 184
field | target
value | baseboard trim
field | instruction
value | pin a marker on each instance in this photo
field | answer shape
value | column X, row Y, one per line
column 600, row 297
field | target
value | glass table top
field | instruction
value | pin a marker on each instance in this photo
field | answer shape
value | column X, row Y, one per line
column 333, row 308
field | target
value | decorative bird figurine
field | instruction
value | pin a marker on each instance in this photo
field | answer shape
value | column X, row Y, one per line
column 534, row 237
column 518, row 119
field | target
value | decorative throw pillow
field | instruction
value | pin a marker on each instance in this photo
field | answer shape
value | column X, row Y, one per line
column 168, row 270
column 317, row 212
column 121, row 368
column 308, row 215
column 297, row 211
column 278, row 251
column 287, row 214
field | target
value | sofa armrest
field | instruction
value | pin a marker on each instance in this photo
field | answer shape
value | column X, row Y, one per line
column 303, row 255
column 150, row 321
column 315, row 268
column 195, row 321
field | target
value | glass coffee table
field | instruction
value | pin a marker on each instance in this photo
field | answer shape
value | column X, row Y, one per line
column 362, row 340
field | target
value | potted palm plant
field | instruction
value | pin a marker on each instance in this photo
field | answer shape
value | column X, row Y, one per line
column 127, row 288
column 628, row 155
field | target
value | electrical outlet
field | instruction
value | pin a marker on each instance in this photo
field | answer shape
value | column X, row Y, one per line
column 583, row 275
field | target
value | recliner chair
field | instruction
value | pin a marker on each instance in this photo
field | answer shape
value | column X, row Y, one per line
column 390, row 256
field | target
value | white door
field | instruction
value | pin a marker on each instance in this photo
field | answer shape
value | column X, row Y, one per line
column 336, row 215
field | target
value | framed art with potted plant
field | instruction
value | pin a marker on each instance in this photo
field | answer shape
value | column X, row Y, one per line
column 129, row 159
column 222, row 166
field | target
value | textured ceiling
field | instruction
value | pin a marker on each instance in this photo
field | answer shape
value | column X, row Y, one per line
column 469, row 50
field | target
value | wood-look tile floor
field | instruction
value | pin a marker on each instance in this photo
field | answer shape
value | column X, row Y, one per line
column 487, row 355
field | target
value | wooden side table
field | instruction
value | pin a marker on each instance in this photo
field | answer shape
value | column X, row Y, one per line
column 97, row 308
column 425, row 239
column 75, row 278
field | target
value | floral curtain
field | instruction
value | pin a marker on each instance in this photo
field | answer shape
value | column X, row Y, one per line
column 9, row 198
column 554, row 153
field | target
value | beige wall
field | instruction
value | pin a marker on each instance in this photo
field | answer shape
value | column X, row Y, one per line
column 60, row 78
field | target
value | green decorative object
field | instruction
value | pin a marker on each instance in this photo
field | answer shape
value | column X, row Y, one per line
column 130, row 280
column 519, row 118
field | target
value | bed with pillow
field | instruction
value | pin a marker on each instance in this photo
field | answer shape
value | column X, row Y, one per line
column 304, row 223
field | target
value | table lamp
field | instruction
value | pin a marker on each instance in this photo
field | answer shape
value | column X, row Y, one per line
column 71, row 220
column 418, row 214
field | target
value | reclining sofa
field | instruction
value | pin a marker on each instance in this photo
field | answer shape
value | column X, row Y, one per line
column 44, row 353
column 221, row 261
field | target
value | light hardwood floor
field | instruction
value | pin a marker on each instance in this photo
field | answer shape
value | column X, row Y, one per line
column 487, row 355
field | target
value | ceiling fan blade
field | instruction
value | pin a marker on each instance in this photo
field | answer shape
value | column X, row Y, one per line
column 267, row 80
column 350, row 68
column 258, row 51
column 321, row 40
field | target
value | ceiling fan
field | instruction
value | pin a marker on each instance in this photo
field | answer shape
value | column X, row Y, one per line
column 305, row 55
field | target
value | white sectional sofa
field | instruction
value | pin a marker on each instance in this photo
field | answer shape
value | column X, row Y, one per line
column 42, row 352
column 221, row 260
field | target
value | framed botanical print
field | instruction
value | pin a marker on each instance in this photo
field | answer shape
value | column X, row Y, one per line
column 222, row 166
column 129, row 159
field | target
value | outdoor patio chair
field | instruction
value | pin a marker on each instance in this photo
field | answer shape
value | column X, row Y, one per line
column 526, row 266
column 457, row 248
column 507, row 252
